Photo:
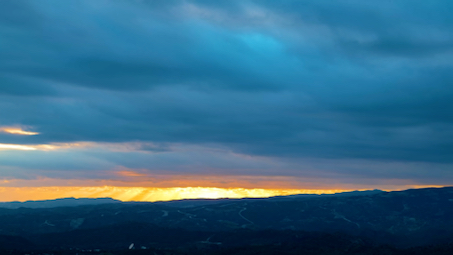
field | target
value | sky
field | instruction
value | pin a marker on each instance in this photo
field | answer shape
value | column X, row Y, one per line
column 246, row 94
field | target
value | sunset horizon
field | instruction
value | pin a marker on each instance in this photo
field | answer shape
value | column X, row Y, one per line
column 156, row 194
column 163, row 100
column 187, row 127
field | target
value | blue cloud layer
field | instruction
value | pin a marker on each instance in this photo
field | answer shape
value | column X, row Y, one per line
column 286, row 80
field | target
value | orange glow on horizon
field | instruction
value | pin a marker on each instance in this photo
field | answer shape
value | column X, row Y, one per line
column 146, row 194
column 136, row 186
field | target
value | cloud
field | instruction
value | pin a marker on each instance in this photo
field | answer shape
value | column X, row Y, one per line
column 16, row 147
column 183, row 165
column 16, row 131
column 290, row 82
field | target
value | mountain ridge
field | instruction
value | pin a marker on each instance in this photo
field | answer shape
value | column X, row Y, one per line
column 72, row 201
column 59, row 202
column 407, row 218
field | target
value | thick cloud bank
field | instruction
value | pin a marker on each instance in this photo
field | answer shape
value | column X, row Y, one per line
column 348, row 90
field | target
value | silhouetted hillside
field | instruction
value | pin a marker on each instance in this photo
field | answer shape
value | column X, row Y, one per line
column 348, row 221
column 61, row 202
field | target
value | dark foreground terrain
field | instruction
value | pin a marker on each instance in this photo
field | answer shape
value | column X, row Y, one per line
column 314, row 248
column 375, row 222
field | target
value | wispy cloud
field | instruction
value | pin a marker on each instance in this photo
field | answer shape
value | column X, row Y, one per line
column 16, row 147
column 16, row 131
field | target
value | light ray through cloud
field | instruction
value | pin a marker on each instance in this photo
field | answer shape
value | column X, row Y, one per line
column 145, row 194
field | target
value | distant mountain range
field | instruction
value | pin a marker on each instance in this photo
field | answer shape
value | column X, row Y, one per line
column 371, row 218
column 71, row 201
column 61, row 202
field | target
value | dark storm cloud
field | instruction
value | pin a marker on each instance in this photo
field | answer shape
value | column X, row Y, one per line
column 284, row 79
column 125, row 47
